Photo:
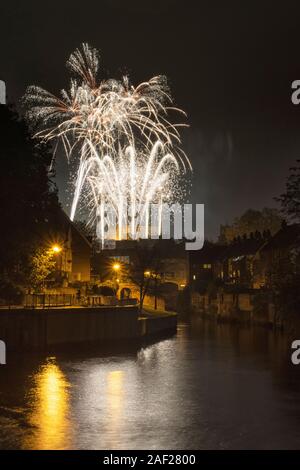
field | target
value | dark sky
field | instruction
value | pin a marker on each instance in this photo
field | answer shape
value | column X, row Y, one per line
column 230, row 66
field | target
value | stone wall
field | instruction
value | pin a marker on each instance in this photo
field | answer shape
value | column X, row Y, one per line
column 149, row 301
column 157, row 325
column 41, row 329
column 50, row 329
column 242, row 307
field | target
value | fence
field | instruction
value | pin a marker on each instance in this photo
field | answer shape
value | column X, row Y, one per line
column 49, row 300
column 67, row 300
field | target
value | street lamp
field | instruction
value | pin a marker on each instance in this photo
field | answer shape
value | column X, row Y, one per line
column 152, row 275
column 116, row 267
column 56, row 249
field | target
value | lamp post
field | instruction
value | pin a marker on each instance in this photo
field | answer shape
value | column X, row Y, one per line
column 154, row 276
column 56, row 250
column 116, row 268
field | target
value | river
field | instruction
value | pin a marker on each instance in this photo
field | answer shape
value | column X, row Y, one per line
column 212, row 386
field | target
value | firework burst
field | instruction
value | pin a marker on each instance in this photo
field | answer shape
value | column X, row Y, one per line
column 128, row 150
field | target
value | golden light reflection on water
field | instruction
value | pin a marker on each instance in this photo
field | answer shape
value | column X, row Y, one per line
column 115, row 401
column 49, row 398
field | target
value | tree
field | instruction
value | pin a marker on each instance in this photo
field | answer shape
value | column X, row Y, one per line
column 285, row 273
column 144, row 270
column 28, row 197
column 42, row 264
column 284, row 282
column 290, row 200
column 252, row 221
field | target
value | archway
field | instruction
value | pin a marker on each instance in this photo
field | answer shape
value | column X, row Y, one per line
column 125, row 293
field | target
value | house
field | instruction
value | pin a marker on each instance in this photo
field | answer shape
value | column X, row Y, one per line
column 206, row 264
column 173, row 268
column 221, row 277
column 72, row 251
column 174, row 263
column 239, row 257
column 275, row 253
column 231, row 264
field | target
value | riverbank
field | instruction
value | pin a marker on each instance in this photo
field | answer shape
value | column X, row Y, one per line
column 52, row 328
column 246, row 307
column 156, row 322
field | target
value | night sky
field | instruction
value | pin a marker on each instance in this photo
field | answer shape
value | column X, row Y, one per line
column 229, row 64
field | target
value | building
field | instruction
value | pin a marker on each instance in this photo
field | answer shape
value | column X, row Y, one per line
column 173, row 266
column 168, row 271
column 206, row 265
column 239, row 259
column 231, row 264
column 72, row 250
column 275, row 255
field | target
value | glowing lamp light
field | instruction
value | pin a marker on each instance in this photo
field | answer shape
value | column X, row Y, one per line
column 116, row 267
column 147, row 273
column 56, row 249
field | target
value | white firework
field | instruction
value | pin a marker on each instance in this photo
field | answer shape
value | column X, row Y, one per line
column 129, row 152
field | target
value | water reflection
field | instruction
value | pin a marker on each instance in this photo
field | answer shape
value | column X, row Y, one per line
column 213, row 386
column 49, row 413
column 115, row 401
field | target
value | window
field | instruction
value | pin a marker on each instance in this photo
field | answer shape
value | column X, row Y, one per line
column 122, row 259
column 207, row 266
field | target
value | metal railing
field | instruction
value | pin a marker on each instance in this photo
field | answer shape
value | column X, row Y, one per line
column 49, row 300
column 68, row 300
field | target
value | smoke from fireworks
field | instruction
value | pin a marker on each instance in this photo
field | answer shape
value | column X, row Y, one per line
column 128, row 150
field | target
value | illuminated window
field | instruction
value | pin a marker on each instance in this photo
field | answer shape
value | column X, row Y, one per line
column 207, row 266
column 194, row 277
column 122, row 259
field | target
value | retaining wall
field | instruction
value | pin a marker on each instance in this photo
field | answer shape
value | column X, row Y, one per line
column 41, row 329
column 152, row 326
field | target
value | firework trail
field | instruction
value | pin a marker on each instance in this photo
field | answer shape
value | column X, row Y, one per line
column 129, row 152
